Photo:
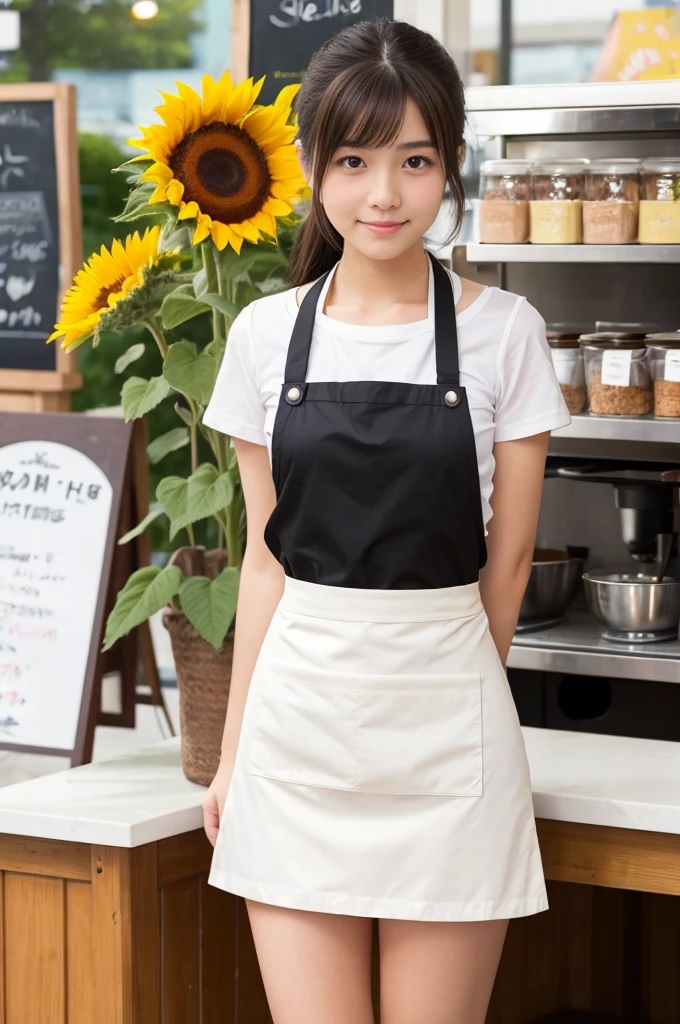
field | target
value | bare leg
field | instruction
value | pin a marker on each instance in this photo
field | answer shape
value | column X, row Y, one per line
column 438, row 972
column 315, row 967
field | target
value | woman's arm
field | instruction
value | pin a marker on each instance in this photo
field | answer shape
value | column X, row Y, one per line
column 260, row 588
column 516, row 501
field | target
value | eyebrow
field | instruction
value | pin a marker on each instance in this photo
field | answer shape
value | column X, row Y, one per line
column 418, row 144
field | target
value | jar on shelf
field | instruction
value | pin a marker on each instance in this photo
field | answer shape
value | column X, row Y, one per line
column 663, row 357
column 504, row 188
column 556, row 207
column 660, row 202
column 617, row 375
column 611, row 205
column 567, row 359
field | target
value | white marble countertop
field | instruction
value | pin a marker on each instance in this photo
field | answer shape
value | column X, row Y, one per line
column 143, row 796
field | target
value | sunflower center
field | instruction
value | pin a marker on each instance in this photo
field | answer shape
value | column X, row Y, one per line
column 102, row 300
column 223, row 170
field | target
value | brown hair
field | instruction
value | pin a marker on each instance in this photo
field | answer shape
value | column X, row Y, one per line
column 356, row 86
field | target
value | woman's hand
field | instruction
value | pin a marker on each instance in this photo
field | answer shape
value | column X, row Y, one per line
column 215, row 799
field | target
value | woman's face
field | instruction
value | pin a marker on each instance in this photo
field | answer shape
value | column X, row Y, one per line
column 400, row 184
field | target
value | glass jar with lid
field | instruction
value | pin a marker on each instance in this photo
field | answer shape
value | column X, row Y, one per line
column 567, row 359
column 612, row 197
column 663, row 356
column 617, row 376
column 555, row 211
column 504, row 201
column 660, row 202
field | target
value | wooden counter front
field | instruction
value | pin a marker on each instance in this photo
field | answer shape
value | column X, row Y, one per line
column 136, row 935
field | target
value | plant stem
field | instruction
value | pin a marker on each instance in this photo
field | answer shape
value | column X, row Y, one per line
column 190, row 531
column 157, row 334
column 194, row 446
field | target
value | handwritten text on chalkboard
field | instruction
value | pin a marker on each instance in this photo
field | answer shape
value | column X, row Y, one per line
column 29, row 235
column 293, row 12
column 55, row 505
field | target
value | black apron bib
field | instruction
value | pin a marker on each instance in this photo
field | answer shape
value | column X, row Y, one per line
column 377, row 482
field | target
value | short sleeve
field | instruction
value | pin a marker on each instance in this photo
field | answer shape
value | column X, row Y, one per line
column 528, row 399
column 235, row 407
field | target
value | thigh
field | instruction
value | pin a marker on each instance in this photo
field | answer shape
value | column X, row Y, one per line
column 315, row 967
column 438, row 971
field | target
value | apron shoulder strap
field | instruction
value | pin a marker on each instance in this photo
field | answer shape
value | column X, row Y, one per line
column 301, row 339
column 445, row 330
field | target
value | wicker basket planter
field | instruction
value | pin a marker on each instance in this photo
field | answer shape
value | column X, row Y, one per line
column 203, row 676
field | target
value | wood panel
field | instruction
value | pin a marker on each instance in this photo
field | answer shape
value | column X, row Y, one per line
column 660, row 941
column 3, row 961
column 35, row 956
column 218, row 954
column 183, row 856
column 180, row 952
column 145, row 938
column 112, row 934
column 80, row 999
column 613, row 857
column 574, row 909
column 45, row 857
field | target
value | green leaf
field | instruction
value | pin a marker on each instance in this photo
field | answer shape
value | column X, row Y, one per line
column 137, row 204
column 184, row 414
column 139, row 396
column 145, row 593
column 210, row 605
column 188, row 372
column 132, row 354
column 202, row 495
column 166, row 443
column 200, row 283
column 141, row 527
column 232, row 309
column 180, row 306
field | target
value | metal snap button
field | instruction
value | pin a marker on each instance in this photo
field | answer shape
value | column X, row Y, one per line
column 451, row 398
column 293, row 394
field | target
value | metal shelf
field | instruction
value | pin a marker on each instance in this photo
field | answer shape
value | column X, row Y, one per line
column 621, row 428
column 576, row 648
column 483, row 252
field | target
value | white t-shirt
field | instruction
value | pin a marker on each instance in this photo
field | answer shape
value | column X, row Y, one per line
column 505, row 366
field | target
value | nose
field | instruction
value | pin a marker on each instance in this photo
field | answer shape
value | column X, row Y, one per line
column 383, row 193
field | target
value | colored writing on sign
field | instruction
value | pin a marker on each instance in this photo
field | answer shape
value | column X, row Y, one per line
column 55, row 507
column 295, row 12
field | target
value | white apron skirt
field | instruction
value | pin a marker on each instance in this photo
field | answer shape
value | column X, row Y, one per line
column 381, row 769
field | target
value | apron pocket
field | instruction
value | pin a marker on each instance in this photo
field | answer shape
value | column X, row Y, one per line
column 424, row 738
column 304, row 732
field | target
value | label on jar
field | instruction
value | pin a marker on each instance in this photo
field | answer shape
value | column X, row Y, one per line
column 568, row 366
column 616, row 367
column 672, row 365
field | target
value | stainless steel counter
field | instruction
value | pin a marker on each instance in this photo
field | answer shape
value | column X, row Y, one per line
column 576, row 648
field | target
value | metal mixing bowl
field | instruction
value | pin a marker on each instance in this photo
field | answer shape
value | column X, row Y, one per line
column 633, row 602
column 553, row 584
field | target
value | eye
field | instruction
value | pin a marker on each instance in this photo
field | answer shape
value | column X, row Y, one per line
column 342, row 160
column 424, row 158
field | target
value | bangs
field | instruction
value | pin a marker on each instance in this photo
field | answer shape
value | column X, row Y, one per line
column 367, row 112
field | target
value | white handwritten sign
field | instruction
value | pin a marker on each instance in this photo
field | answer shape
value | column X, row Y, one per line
column 293, row 12
column 55, row 506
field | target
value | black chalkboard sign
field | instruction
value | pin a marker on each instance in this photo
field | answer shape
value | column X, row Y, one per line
column 285, row 33
column 29, row 236
column 40, row 248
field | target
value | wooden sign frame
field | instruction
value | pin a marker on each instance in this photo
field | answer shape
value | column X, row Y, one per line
column 48, row 390
column 119, row 449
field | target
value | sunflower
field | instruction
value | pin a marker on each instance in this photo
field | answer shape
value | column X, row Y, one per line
column 227, row 164
column 105, row 279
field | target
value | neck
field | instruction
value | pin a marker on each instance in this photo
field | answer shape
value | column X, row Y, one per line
column 361, row 283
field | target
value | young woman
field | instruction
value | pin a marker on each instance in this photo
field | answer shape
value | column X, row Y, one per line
column 385, row 413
